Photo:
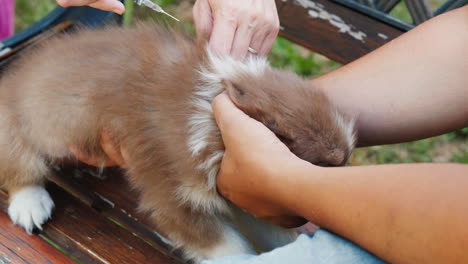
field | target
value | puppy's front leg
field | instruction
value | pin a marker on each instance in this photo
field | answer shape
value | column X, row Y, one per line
column 22, row 174
column 30, row 206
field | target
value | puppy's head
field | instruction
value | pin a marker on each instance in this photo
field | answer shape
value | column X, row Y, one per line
column 299, row 114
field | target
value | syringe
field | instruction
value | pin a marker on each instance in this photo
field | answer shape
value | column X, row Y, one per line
column 153, row 6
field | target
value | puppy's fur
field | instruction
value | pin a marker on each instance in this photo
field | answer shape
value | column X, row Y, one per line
column 152, row 88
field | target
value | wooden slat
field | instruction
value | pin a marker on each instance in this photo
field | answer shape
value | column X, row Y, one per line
column 17, row 247
column 114, row 199
column 91, row 237
column 97, row 192
column 333, row 30
column 96, row 235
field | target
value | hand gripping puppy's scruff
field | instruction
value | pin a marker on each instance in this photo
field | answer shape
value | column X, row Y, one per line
column 152, row 88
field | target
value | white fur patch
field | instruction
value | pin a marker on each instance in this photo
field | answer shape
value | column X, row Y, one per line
column 226, row 67
column 30, row 207
column 202, row 125
column 347, row 129
column 211, row 166
column 203, row 198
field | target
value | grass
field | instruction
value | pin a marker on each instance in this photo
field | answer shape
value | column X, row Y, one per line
column 401, row 11
column 286, row 54
column 460, row 157
column 128, row 15
column 445, row 148
column 452, row 147
column 30, row 11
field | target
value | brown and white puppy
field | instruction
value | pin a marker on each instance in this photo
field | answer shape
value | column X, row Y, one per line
column 152, row 88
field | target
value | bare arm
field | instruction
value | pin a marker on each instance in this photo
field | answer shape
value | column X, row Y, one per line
column 414, row 213
column 414, row 87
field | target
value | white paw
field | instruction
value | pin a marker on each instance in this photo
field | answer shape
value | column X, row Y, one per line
column 30, row 207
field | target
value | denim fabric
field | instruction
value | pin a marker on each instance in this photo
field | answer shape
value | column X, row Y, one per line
column 321, row 248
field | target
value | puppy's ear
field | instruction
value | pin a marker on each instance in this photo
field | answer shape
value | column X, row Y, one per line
column 235, row 92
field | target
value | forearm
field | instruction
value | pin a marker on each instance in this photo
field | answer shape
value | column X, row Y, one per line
column 414, row 87
column 414, row 213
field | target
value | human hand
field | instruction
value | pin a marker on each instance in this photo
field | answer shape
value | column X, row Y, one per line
column 233, row 26
column 255, row 163
column 116, row 153
column 106, row 5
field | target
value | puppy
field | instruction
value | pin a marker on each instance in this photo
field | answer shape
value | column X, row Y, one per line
column 152, row 88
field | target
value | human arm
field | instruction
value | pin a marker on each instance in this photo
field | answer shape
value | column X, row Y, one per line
column 107, row 5
column 231, row 27
column 413, row 87
column 414, row 213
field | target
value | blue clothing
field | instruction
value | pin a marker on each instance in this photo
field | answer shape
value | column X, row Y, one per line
column 321, row 248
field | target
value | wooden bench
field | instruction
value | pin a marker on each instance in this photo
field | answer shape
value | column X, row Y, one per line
column 95, row 219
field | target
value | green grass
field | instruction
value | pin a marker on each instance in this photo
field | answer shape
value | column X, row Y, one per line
column 29, row 11
column 460, row 157
column 401, row 11
column 445, row 148
column 285, row 54
column 128, row 15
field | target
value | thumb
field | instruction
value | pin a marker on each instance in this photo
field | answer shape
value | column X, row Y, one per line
column 237, row 127
column 226, row 114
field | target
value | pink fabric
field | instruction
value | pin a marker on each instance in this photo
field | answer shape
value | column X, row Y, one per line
column 6, row 18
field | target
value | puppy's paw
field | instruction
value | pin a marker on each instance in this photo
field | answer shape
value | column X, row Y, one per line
column 30, row 207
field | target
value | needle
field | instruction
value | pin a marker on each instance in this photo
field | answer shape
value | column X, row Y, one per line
column 155, row 7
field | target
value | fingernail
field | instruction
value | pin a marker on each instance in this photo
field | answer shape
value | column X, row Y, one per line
column 118, row 11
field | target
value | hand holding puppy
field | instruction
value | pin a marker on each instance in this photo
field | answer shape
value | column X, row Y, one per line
column 254, row 163
column 233, row 26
